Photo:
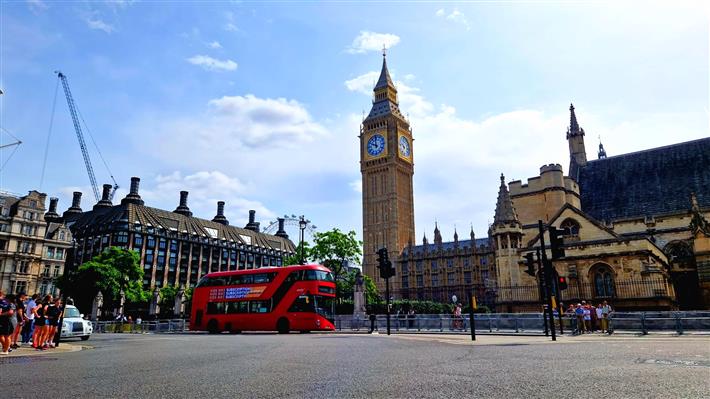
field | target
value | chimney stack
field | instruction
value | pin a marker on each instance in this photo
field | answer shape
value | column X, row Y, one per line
column 182, row 208
column 220, row 214
column 133, row 197
column 105, row 198
column 75, row 208
column 281, row 232
column 252, row 225
column 52, row 215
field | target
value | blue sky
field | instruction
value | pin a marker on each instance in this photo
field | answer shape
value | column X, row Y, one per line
column 259, row 103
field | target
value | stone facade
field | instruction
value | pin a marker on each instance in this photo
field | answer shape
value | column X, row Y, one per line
column 33, row 248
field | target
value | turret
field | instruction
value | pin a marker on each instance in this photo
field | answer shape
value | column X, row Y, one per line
column 575, row 139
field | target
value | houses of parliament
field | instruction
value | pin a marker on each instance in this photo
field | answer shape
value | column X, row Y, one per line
column 636, row 226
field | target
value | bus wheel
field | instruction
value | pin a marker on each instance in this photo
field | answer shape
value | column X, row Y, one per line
column 305, row 331
column 282, row 326
column 212, row 327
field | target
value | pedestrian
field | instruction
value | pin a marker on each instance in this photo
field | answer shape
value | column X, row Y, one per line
column 573, row 318
column 598, row 311
column 373, row 319
column 606, row 313
column 411, row 316
column 6, row 313
column 54, row 312
column 28, row 328
column 587, row 312
column 579, row 313
column 20, row 315
column 41, row 328
column 457, row 317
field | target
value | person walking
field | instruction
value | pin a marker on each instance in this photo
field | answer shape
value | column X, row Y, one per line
column 600, row 316
column 29, row 326
column 20, row 315
column 6, row 313
column 373, row 319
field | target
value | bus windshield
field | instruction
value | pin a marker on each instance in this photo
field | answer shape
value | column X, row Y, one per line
column 324, row 306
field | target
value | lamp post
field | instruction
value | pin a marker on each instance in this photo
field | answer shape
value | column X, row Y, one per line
column 302, row 223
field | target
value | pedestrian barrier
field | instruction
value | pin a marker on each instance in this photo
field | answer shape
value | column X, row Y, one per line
column 678, row 322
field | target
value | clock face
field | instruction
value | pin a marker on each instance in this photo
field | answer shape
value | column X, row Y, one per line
column 375, row 145
column 404, row 148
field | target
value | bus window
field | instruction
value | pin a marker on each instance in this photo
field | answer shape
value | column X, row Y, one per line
column 317, row 275
column 261, row 278
column 310, row 275
column 324, row 306
column 303, row 303
column 215, row 307
column 260, row 307
column 238, row 307
column 211, row 282
column 247, row 279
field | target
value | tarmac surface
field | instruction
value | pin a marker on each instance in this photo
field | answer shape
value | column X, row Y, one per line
column 364, row 366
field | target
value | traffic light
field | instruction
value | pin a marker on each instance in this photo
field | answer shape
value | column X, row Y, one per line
column 384, row 264
column 557, row 243
column 530, row 263
column 561, row 283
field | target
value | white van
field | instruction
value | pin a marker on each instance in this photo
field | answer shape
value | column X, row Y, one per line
column 75, row 325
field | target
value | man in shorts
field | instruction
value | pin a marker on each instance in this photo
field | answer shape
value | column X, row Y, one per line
column 6, row 313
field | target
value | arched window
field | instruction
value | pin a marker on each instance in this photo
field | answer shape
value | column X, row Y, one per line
column 570, row 227
column 603, row 280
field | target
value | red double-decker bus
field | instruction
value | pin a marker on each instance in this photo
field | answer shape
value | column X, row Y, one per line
column 283, row 299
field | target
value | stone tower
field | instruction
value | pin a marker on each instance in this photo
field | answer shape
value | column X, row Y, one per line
column 506, row 233
column 386, row 164
column 575, row 139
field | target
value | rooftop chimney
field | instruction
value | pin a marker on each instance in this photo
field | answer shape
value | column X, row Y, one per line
column 252, row 225
column 182, row 208
column 133, row 197
column 52, row 215
column 281, row 232
column 220, row 214
column 75, row 208
column 105, row 198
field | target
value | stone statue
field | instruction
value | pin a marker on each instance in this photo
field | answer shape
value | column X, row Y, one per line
column 154, row 308
column 359, row 297
column 96, row 306
column 178, row 308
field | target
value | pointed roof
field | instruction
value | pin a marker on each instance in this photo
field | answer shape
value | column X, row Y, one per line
column 602, row 153
column 385, row 80
column 573, row 129
column 505, row 212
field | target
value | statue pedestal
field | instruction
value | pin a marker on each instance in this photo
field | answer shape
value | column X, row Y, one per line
column 359, row 305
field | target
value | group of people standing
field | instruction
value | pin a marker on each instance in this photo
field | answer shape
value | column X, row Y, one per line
column 33, row 321
column 587, row 319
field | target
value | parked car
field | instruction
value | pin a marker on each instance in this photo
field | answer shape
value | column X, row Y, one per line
column 75, row 325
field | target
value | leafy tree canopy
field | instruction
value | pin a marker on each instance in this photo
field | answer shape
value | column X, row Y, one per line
column 332, row 248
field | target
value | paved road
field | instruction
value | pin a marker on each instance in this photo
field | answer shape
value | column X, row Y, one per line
column 341, row 366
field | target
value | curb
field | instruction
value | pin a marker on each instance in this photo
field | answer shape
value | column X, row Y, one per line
column 26, row 351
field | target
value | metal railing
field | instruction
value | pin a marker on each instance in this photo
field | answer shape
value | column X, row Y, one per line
column 491, row 323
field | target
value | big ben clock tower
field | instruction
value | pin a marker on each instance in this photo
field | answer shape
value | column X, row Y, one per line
column 386, row 164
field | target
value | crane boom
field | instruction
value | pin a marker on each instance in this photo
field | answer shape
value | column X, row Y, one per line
column 79, row 134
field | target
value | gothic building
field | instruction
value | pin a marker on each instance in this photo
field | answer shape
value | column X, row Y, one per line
column 636, row 226
column 176, row 248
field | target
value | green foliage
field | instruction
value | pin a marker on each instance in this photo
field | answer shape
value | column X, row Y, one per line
column 332, row 248
column 113, row 270
column 296, row 259
column 346, row 287
column 167, row 295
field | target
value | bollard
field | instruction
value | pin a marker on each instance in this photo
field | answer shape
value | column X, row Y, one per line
column 441, row 324
column 643, row 323
column 419, row 326
column 678, row 323
column 490, row 324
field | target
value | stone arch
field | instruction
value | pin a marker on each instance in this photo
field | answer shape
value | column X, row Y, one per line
column 680, row 253
column 603, row 279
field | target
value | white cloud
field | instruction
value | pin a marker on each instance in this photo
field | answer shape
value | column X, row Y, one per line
column 356, row 185
column 212, row 64
column 363, row 83
column 215, row 44
column 230, row 27
column 99, row 24
column 455, row 16
column 37, row 5
column 372, row 41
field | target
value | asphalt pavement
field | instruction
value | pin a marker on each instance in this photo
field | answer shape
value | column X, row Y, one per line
column 365, row 366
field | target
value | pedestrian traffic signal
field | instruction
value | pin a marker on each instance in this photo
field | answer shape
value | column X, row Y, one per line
column 562, row 283
column 530, row 263
column 557, row 243
column 384, row 264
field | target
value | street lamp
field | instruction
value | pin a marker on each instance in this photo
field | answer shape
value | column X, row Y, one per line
column 302, row 223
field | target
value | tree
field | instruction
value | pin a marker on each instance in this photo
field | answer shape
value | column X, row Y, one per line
column 333, row 248
column 296, row 258
column 346, row 285
column 112, row 271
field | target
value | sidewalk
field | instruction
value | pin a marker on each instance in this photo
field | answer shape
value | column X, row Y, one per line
column 26, row 350
column 505, row 340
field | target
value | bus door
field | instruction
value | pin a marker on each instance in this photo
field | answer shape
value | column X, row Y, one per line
column 302, row 313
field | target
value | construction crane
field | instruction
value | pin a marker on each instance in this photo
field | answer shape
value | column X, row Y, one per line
column 17, row 143
column 80, row 135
